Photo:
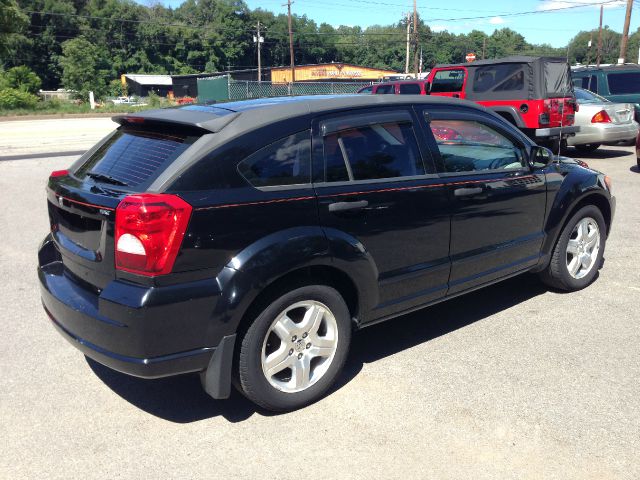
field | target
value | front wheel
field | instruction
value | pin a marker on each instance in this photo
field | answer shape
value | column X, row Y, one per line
column 578, row 253
column 293, row 351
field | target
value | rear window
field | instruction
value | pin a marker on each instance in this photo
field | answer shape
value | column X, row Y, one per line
column 132, row 157
column 624, row 82
column 410, row 89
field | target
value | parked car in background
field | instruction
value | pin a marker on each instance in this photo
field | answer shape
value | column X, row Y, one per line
column 618, row 83
column 400, row 87
column 246, row 241
column 124, row 101
column 602, row 122
column 533, row 93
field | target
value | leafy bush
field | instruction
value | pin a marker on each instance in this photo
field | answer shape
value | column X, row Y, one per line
column 11, row 98
column 154, row 99
column 22, row 78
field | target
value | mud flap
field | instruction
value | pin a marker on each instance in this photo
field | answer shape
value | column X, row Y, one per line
column 216, row 379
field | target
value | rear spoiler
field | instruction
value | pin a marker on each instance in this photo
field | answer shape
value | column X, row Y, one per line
column 208, row 118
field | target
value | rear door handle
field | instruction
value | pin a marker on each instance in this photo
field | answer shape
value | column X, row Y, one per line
column 466, row 192
column 344, row 206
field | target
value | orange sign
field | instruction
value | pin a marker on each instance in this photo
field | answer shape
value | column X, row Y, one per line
column 470, row 57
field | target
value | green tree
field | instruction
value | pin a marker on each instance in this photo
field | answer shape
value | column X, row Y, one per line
column 22, row 78
column 81, row 68
column 12, row 24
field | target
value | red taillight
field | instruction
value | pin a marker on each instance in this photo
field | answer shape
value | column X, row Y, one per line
column 58, row 173
column 601, row 117
column 149, row 231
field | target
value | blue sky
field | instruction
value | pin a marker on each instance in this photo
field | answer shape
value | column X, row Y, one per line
column 554, row 27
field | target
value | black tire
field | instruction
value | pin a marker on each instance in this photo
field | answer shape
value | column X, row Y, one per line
column 557, row 273
column 587, row 147
column 638, row 163
column 252, row 380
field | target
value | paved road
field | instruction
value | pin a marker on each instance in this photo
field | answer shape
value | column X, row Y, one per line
column 35, row 138
column 512, row 382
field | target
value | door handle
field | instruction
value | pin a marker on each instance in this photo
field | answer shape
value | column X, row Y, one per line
column 456, row 95
column 344, row 206
column 466, row 192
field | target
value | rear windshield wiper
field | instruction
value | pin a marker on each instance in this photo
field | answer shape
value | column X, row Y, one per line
column 106, row 178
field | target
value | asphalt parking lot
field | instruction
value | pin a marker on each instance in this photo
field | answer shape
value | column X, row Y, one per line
column 513, row 381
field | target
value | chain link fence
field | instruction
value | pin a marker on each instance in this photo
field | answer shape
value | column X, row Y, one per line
column 242, row 90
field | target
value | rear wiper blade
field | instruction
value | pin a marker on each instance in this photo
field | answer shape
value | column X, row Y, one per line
column 106, row 178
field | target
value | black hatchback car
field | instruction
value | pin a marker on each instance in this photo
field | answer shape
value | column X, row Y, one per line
column 245, row 241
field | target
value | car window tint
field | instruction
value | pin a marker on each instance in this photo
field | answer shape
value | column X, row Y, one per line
column 624, row 82
column 410, row 89
column 499, row 78
column 285, row 162
column 590, row 83
column 135, row 156
column 385, row 150
column 467, row 146
column 385, row 89
column 447, row 81
column 366, row 90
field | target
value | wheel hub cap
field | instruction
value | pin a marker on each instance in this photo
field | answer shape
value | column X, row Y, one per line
column 583, row 248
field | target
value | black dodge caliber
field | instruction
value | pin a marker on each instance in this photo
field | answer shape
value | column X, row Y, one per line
column 246, row 241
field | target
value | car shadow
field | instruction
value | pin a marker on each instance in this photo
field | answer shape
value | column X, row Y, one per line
column 181, row 399
column 599, row 153
column 635, row 169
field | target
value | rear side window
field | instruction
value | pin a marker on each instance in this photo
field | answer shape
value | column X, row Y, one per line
column 385, row 89
column 499, row 78
column 132, row 157
column 410, row 89
column 467, row 146
column 625, row 82
column 385, row 150
column 447, row 81
column 285, row 162
column 590, row 83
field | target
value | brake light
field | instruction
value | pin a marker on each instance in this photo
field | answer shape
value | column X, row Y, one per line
column 601, row 117
column 58, row 173
column 149, row 231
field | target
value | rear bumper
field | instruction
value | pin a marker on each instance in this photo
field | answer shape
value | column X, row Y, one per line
column 147, row 332
column 606, row 133
column 555, row 132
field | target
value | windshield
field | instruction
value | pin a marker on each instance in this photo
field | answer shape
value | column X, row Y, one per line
column 624, row 82
column 585, row 96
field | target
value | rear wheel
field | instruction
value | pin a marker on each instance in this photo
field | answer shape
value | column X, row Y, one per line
column 578, row 253
column 295, row 348
column 587, row 147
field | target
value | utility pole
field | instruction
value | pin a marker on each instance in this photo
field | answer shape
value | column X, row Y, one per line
column 600, row 38
column 484, row 46
column 406, row 64
column 293, row 67
column 589, row 49
column 415, row 36
column 625, row 33
column 259, row 40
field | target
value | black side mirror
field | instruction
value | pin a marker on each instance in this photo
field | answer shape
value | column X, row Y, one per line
column 540, row 157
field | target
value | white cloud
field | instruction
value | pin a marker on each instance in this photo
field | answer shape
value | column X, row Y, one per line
column 556, row 4
column 497, row 21
column 439, row 28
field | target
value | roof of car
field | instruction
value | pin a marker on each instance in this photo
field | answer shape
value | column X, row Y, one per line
column 496, row 61
column 268, row 110
column 607, row 68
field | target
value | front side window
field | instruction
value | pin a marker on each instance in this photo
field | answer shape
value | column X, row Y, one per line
column 385, row 150
column 624, row 82
column 468, row 146
column 448, row 81
column 285, row 162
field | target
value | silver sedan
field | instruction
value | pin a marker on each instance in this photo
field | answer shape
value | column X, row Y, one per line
column 602, row 122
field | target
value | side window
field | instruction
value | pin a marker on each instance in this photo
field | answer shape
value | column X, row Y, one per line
column 385, row 89
column 285, row 162
column 590, row 83
column 384, row 150
column 499, row 78
column 468, row 146
column 410, row 89
column 447, row 81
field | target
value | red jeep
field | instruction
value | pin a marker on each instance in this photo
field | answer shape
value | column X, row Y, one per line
column 533, row 93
